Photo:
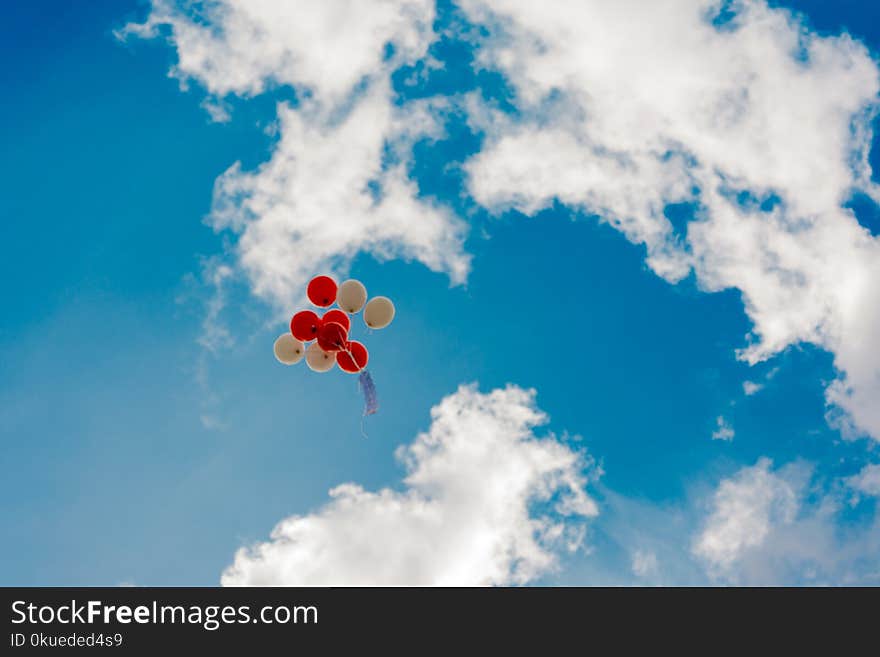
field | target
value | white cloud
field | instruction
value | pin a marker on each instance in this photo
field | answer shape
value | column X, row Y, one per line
column 760, row 526
column 324, row 48
column 218, row 110
column 312, row 208
column 744, row 510
column 336, row 184
column 867, row 481
column 628, row 106
column 769, row 526
column 754, row 387
column 723, row 430
column 484, row 502
column 644, row 564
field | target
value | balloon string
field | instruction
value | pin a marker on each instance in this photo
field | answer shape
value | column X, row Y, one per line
column 367, row 410
column 366, row 404
column 353, row 361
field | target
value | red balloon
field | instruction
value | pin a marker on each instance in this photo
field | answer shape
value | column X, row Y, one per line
column 304, row 325
column 337, row 316
column 322, row 291
column 361, row 356
column 332, row 336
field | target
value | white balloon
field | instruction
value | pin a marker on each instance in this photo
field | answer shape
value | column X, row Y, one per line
column 289, row 350
column 319, row 360
column 379, row 312
column 352, row 296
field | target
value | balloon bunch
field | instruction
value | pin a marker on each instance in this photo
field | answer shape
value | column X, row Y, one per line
column 327, row 336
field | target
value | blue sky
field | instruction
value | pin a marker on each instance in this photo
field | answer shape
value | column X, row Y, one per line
column 133, row 454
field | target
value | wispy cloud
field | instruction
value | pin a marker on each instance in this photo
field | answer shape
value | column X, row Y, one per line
column 209, row 292
column 723, row 430
column 644, row 563
column 769, row 525
column 867, row 481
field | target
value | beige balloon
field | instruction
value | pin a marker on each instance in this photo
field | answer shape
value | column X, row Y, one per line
column 352, row 296
column 378, row 312
column 319, row 360
column 289, row 350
